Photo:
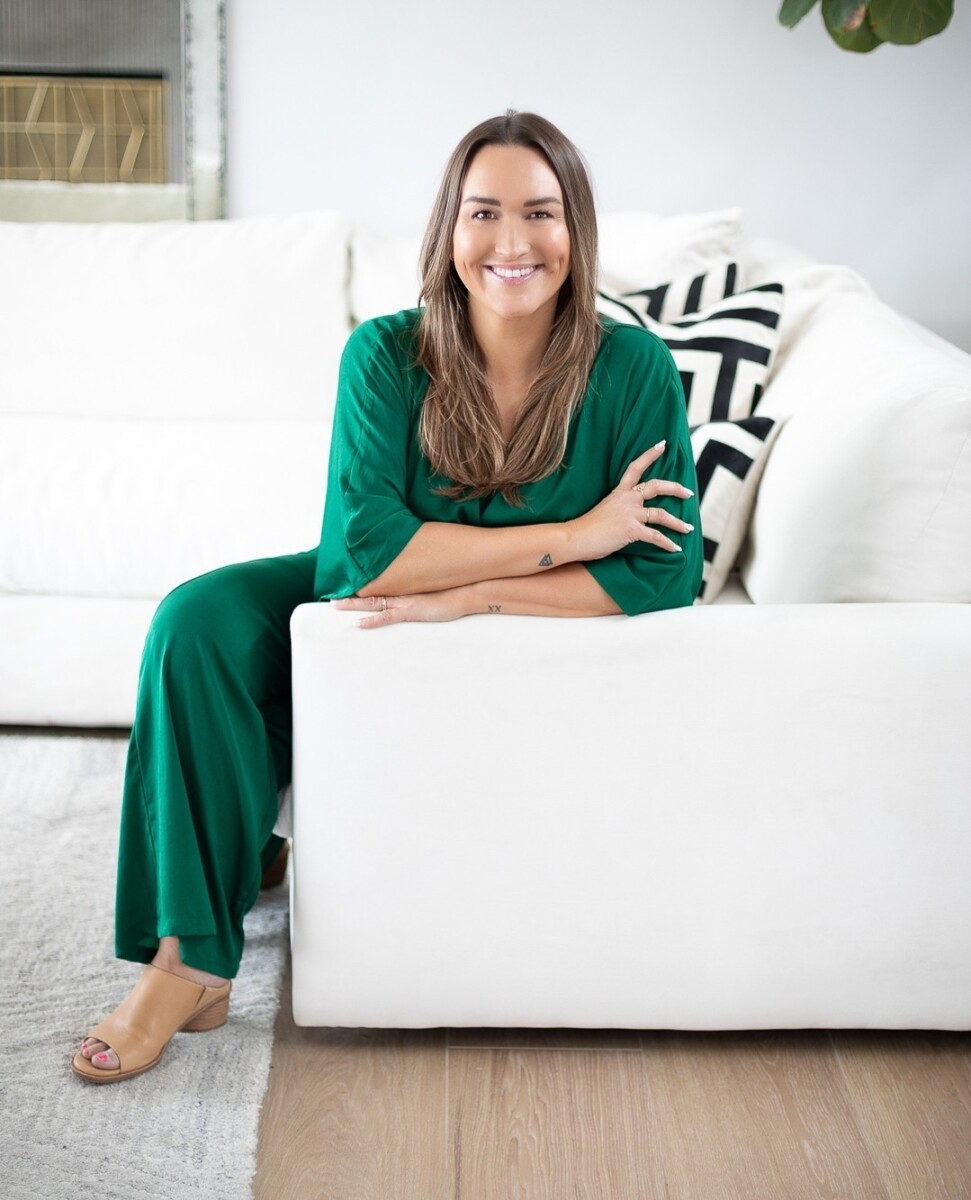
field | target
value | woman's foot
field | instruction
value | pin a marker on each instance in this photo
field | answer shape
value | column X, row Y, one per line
column 100, row 1054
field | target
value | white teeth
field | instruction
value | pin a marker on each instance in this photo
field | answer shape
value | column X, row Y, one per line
column 513, row 272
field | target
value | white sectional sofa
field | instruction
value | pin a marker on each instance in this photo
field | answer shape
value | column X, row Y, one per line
column 750, row 813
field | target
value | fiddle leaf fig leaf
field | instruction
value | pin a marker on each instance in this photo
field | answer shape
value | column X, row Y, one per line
column 848, row 27
column 908, row 21
column 845, row 15
column 793, row 11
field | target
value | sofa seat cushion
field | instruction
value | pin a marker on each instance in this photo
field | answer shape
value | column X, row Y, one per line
column 132, row 508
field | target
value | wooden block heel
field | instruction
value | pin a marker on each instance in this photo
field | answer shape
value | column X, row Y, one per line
column 210, row 1017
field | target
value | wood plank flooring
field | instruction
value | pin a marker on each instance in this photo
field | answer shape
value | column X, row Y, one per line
column 492, row 1114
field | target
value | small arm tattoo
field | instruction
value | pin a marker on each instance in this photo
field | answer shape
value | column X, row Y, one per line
column 546, row 561
column 495, row 608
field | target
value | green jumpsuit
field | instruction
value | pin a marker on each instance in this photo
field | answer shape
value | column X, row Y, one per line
column 211, row 743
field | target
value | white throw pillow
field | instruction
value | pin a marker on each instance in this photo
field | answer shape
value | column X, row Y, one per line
column 641, row 249
column 867, row 495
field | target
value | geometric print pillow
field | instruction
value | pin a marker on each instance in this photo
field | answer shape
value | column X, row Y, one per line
column 723, row 354
column 730, row 457
column 680, row 297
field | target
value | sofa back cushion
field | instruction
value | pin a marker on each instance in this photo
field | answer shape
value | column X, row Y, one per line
column 867, row 493
column 240, row 319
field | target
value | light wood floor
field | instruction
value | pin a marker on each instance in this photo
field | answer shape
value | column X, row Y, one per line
column 483, row 1114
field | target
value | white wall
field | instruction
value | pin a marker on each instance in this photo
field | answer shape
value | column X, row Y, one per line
column 863, row 159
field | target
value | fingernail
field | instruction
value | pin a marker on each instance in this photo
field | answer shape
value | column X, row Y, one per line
column 688, row 492
column 688, row 528
column 660, row 445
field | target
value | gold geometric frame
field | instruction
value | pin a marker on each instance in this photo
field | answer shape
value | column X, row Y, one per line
column 82, row 130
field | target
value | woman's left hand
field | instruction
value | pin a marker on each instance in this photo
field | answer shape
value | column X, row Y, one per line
column 448, row 605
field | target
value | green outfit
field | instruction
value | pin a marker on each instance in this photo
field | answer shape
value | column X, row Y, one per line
column 378, row 496
column 211, row 743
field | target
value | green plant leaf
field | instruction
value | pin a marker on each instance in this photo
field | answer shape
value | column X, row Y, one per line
column 847, row 15
column 793, row 11
column 860, row 40
column 908, row 21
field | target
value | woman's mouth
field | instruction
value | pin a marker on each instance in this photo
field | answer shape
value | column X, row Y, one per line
column 513, row 274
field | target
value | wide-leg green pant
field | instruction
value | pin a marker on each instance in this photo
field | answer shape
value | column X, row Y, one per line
column 209, row 750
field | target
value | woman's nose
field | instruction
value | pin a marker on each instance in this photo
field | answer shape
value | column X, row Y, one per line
column 511, row 239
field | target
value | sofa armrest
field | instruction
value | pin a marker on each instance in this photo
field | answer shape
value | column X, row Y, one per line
column 723, row 817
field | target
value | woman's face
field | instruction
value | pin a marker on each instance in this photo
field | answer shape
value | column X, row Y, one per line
column 510, row 245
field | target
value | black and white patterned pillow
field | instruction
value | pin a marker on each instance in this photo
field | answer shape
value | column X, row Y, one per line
column 730, row 457
column 679, row 297
column 723, row 354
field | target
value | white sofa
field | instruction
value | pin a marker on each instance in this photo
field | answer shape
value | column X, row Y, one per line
column 753, row 812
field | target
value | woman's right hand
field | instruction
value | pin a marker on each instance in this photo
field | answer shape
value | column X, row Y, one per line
column 625, row 514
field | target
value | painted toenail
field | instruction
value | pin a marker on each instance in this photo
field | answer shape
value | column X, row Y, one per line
column 101, row 1057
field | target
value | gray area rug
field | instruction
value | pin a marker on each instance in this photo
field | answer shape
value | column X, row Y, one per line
column 186, row 1129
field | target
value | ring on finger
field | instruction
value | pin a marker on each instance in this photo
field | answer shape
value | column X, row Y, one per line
column 384, row 603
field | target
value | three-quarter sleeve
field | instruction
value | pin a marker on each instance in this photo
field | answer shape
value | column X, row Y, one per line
column 367, row 521
column 642, row 577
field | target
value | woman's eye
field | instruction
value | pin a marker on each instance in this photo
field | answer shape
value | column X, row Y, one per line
column 482, row 214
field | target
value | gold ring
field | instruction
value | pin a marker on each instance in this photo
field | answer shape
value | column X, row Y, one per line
column 384, row 603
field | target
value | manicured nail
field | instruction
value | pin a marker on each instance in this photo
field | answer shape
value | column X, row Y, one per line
column 688, row 528
column 660, row 445
column 101, row 1057
column 688, row 492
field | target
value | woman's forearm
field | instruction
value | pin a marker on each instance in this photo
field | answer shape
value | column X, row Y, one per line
column 567, row 591
column 442, row 556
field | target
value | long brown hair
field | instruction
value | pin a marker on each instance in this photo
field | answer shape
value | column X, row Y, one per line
column 460, row 430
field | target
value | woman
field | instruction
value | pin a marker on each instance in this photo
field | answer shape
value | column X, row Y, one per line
column 502, row 450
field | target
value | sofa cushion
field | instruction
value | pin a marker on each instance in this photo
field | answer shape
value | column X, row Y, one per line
column 674, row 298
column 132, row 508
column 643, row 249
column 190, row 320
column 723, row 354
column 867, row 495
column 730, row 457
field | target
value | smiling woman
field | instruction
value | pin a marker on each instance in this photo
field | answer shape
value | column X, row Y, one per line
column 501, row 451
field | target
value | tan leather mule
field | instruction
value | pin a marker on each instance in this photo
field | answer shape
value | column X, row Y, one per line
column 158, row 1006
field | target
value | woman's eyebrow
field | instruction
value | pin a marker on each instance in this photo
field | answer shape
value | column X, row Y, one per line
column 498, row 203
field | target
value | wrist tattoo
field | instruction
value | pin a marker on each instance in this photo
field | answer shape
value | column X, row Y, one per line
column 495, row 608
column 546, row 561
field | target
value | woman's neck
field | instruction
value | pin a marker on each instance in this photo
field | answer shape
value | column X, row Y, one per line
column 513, row 349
